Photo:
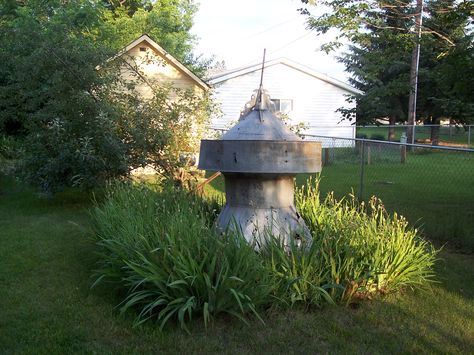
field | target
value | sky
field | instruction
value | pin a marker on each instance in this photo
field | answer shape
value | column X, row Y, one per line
column 237, row 31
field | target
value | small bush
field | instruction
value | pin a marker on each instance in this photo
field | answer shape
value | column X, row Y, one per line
column 377, row 137
column 10, row 147
column 365, row 251
column 159, row 246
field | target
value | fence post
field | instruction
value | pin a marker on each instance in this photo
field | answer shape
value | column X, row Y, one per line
column 403, row 154
column 403, row 149
column 469, row 136
column 362, row 166
column 326, row 156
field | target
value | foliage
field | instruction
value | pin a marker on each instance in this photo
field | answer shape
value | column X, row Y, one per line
column 168, row 22
column 52, row 89
column 162, row 132
column 446, row 67
column 10, row 148
column 159, row 246
column 381, row 37
column 10, row 152
column 379, row 64
column 81, row 126
column 365, row 250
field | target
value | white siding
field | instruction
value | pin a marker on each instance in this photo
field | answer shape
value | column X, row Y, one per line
column 314, row 101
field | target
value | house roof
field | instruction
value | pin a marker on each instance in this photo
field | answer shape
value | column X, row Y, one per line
column 233, row 73
column 165, row 54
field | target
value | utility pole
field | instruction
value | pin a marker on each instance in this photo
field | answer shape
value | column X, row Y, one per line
column 415, row 62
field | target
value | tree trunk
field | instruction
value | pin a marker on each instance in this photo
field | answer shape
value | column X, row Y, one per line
column 435, row 131
column 391, row 129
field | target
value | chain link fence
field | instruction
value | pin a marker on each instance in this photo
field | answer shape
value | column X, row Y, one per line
column 433, row 187
column 459, row 135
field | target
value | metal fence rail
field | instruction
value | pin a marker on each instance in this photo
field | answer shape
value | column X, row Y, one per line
column 462, row 135
column 433, row 187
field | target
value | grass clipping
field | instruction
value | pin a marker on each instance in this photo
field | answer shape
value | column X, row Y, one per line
column 159, row 248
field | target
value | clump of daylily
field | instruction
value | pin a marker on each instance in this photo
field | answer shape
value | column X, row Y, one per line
column 159, row 245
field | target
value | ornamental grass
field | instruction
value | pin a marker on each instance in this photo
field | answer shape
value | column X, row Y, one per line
column 159, row 250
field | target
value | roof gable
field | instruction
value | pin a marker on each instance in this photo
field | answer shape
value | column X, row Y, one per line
column 230, row 74
column 172, row 60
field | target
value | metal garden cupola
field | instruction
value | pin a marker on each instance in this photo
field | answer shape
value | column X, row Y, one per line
column 259, row 158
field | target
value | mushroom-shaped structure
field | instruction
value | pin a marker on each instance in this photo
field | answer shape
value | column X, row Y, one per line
column 259, row 158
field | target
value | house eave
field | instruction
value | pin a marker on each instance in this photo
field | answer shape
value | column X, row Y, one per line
column 165, row 54
column 230, row 74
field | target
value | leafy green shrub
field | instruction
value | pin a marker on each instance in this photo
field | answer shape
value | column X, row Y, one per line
column 361, row 135
column 377, row 137
column 10, row 152
column 83, row 126
column 365, row 250
column 159, row 246
column 10, row 147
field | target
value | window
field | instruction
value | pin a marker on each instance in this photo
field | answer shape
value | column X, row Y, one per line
column 283, row 105
column 142, row 49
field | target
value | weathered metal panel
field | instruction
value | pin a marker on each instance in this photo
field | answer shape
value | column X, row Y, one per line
column 269, row 157
column 257, row 223
column 259, row 158
column 259, row 191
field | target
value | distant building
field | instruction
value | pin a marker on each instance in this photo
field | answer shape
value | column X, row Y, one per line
column 156, row 65
column 305, row 95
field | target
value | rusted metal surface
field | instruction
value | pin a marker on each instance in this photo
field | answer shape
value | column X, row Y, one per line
column 259, row 158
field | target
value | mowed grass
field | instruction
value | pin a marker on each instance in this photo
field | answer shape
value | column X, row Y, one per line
column 433, row 190
column 48, row 307
column 456, row 135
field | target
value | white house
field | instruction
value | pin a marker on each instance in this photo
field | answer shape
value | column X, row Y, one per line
column 305, row 95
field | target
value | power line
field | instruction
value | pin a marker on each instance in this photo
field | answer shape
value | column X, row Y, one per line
column 271, row 28
column 256, row 61
column 291, row 42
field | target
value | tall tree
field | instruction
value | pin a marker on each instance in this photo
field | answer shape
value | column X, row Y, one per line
column 382, row 36
column 446, row 75
column 79, row 126
column 168, row 22
column 379, row 64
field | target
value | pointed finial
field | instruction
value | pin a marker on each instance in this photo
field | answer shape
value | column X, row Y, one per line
column 258, row 100
column 263, row 67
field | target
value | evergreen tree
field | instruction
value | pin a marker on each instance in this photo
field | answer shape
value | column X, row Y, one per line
column 380, row 66
column 382, row 37
column 447, row 64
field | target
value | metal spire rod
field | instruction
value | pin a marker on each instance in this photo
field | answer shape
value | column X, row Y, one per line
column 263, row 67
column 260, row 89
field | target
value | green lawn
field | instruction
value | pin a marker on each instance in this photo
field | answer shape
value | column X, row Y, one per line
column 457, row 135
column 433, row 190
column 47, row 306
